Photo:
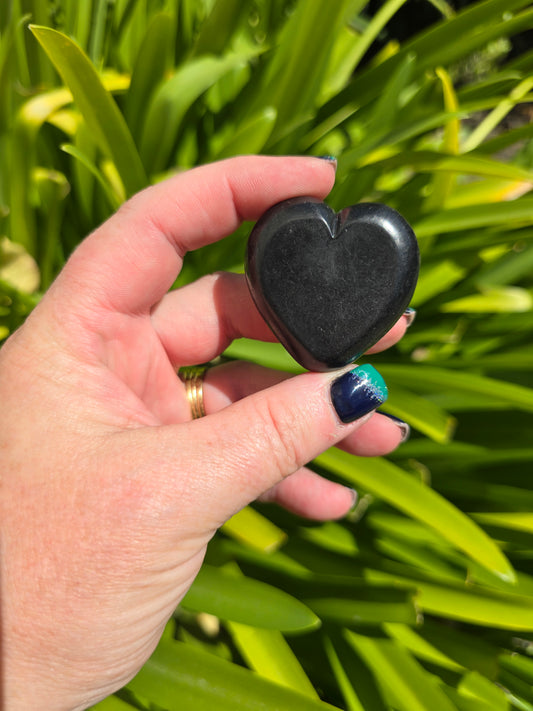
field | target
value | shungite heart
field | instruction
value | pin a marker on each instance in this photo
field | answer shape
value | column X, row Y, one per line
column 331, row 284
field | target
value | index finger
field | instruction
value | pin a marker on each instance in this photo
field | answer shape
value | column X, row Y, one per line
column 132, row 260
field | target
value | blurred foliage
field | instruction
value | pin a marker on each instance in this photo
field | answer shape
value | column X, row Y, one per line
column 423, row 598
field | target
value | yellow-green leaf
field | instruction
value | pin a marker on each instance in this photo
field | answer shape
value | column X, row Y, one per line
column 268, row 653
column 254, row 530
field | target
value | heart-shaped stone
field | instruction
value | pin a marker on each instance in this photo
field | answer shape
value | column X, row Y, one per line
column 329, row 284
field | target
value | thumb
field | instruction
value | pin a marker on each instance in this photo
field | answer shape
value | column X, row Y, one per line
column 235, row 455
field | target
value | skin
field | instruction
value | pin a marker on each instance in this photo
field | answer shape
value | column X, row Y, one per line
column 109, row 492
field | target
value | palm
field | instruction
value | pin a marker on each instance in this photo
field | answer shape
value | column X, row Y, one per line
column 149, row 382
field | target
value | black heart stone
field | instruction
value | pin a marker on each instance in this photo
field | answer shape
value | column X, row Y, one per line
column 331, row 284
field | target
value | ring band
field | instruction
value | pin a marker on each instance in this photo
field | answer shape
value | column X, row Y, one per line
column 193, row 379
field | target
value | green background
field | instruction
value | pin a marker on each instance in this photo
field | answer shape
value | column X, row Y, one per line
column 422, row 599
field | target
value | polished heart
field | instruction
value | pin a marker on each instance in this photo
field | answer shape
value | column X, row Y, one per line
column 329, row 284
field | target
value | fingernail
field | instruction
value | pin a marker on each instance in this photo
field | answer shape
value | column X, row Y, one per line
column 358, row 392
column 355, row 499
column 330, row 159
column 410, row 315
column 403, row 426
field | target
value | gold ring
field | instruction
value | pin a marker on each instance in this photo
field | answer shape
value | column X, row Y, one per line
column 193, row 378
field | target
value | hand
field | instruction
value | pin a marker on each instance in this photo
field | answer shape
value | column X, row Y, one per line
column 110, row 493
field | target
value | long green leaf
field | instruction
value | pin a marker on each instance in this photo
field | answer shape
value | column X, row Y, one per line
column 296, row 71
column 476, row 216
column 247, row 601
column 444, row 379
column 148, row 71
column 179, row 677
column 216, row 31
column 468, row 164
column 412, row 688
column 421, row 413
column 96, row 105
column 406, row 493
column 268, row 653
column 173, row 99
column 357, row 683
column 463, row 602
column 475, row 27
column 380, row 606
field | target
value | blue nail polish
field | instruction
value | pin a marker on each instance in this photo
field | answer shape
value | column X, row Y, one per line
column 330, row 159
column 358, row 392
column 410, row 315
column 403, row 426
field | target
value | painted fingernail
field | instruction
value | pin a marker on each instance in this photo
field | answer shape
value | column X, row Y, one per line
column 403, row 426
column 330, row 159
column 358, row 392
column 410, row 315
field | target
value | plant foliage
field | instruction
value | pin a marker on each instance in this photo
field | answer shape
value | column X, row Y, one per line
column 423, row 598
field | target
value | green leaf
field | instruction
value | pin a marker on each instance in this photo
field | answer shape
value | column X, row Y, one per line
column 253, row 529
column 217, row 30
column 514, row 520
column 96, row 105
column 173, row 99
column 375, row 26
column 421, row 413
column 149, row 69
column 437, row 279
column 367, row 605
column 412, row 688
column 250, row 137
column 248, row 601
column 271, row 355
column 113, row 703
column 427, row 377
column 297, row 69
column 442, row 44
column 474, row 685
column 268, row 653
column 114, row 200
column 468, row 603
column 420, row 647
column 490, row 122
column 179, row 677
column 29, row 120
column 476, row 216
column 442, row 184
column 356, row 681
column 470, row 164
column 511, row 299
column 402, row 491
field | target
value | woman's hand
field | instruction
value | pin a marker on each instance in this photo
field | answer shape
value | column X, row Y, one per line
column 110, row 493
